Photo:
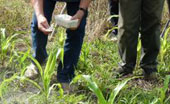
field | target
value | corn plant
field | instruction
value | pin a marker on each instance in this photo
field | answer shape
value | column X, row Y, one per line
column 49, row 70
column 95, row 89
column 45, row 74
column 6, row 45
column 139, row 48
column 162, row 98
column 84, row 58
column 164, row 45
column 17, row 76
column 163, row 90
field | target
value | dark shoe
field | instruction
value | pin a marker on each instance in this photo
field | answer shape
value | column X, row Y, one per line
column 122, row 72
column 151, row 76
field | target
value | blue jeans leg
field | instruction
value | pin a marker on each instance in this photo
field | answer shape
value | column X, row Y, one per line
column 114, row 10
column 72, row 47
column 39, row 39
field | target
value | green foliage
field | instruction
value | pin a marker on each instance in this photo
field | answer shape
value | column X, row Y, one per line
column 49, row 70
column 163, row 90
column 4, row 85
column 164, row 45
column 7, row 45
column 45, row 74
column 96, row 90
column 98, row 58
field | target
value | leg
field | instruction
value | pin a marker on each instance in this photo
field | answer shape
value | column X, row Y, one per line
column 150, row 33
column 114, row 10
column 128, row 32
column 72, row 47
column 39, row 39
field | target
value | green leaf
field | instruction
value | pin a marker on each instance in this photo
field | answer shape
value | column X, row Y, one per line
column 117, row 90
column 62, row 56
column 48, row 63
column 94, row 88
column 60, row 89
column 164, row 89
column 4, row 84
column 36, row 63
column 3, row 33
column 31, row 81
column 154, row 101
column 112, row 16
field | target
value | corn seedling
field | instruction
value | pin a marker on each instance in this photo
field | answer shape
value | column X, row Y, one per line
column 164, row 90
column 164, row 45
column 6, row 45
column 45, row 74
column 84, row 56
column 50, row 66
column 95, row 89
column 139, row 48
column 162, row 99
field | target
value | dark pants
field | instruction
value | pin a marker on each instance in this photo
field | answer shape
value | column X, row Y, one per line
column 72, row 46
column 114, row 10
column 144, row 16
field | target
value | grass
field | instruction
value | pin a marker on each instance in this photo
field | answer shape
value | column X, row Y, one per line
column 98, row 59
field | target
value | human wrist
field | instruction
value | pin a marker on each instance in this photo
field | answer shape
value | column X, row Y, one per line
column 40, row 16
column 80, row 13
column 82, row 9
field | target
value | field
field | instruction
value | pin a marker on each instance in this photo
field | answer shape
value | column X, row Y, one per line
column 95, row 83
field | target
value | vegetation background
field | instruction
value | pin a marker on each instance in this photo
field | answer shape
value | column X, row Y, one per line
column 98, row 58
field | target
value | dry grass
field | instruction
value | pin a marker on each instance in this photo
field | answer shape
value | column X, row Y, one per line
column 15, row 15
column 98, row 14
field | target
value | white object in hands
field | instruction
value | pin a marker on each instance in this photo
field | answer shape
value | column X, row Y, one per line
column 65, row 21
column 50, row 29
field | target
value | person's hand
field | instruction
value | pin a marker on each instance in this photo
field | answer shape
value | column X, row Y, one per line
column 43, row 25
column 79, row 15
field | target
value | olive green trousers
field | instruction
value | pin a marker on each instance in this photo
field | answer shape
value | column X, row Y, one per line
column 144, row 17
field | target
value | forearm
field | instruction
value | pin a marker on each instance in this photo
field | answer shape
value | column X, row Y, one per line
column 38, row 7
column 84, row 4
